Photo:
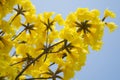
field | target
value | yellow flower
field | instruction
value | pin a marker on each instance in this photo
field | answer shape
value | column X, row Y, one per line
column 47, row 15
column 17, row 22
column 59, row 19
column 81, row 11
column 68, row 70
column 23, row 77
column 4, row 26
column 6, row 6
column 77, row 58
column 5, row 43
column 94, row 15
column 45, row 22
column 31, row 18
column 108, row 13
column 83, row 14
column 28, row 6
column 24, row 49
column 68, row 34
column 95, row 12
column 38, row 45
column 52, row 36
column 97, row 45
column 5, row 68
column 112, row 26
column 69, row 22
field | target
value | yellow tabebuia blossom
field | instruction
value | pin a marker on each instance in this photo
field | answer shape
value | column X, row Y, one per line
column 87, row 24
column 5, row 27
column 112, row 26
column 35, row 45
column 70, row 18
column 59, row 19
column 16, row 22
column 108, row 13
column 6, row 6
column 28, row 6
column 6, row 70
column 53, row 36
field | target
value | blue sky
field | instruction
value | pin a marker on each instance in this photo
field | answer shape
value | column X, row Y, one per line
column 102, row 65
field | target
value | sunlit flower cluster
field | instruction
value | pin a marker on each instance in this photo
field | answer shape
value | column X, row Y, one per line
column 31, row 45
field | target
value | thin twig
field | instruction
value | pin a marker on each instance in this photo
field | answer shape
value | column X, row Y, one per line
column 18, row 62
column 14, row 18
column 57, row 43
column 46, row 46
column 14, row 37
column 103, row 19
column 39, row 78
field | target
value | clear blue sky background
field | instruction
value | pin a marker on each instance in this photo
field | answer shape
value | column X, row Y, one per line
column 102, row 65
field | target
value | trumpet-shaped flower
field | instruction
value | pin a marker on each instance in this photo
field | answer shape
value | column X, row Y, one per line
column 109, row 13
column 112, row 26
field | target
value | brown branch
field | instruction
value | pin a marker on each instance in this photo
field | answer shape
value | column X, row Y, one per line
column 27, row 66
column 103, row 19
column 33, row 61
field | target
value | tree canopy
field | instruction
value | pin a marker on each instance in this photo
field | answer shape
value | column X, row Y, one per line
column 31, row 45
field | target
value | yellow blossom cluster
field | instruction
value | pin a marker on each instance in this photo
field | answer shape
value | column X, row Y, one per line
column 31, row 44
